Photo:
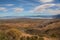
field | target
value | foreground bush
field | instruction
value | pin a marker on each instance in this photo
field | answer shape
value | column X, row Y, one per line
column 13, row 34
column 3, row 36
column 32, row 38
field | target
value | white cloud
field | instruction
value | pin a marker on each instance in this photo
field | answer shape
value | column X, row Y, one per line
column 18, row 10
column 45, row 8
column 44, row 1
column 42, row 7
column 51, row 11
column 3, row 9
column 54, row 11
column 57, row 5
column 6, row 4
column 9, row 4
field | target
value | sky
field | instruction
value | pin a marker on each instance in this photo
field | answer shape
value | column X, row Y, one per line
column 29, row 7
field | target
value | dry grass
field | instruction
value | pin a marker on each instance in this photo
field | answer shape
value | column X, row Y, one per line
column 29, row 29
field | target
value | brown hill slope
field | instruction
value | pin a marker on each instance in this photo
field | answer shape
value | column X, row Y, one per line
column 49, row 28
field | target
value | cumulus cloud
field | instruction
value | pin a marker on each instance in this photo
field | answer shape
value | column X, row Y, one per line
column 44, row 1
column 3, row 9
column 18, row 10
column 42, row 7
column 54, row 11
column 45, row 8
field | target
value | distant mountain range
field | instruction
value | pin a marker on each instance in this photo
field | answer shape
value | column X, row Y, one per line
column 10, row 17
column 57, row 16
column 38, row 16
column 48, row 16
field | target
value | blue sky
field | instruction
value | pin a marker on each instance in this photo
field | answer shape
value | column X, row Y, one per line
column 29, row 7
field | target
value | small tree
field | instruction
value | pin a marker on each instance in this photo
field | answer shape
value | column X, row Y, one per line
column 34, row 38
column 23, row 38
column 53, row 35
column 41, row 38
column 28, row 38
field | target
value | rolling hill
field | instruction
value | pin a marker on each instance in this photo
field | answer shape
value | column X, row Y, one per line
column 48, row 29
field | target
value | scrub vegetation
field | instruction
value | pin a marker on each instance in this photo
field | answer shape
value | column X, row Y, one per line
column 30, row 29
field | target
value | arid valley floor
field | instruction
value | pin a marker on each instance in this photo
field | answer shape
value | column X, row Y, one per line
column 29, row 29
